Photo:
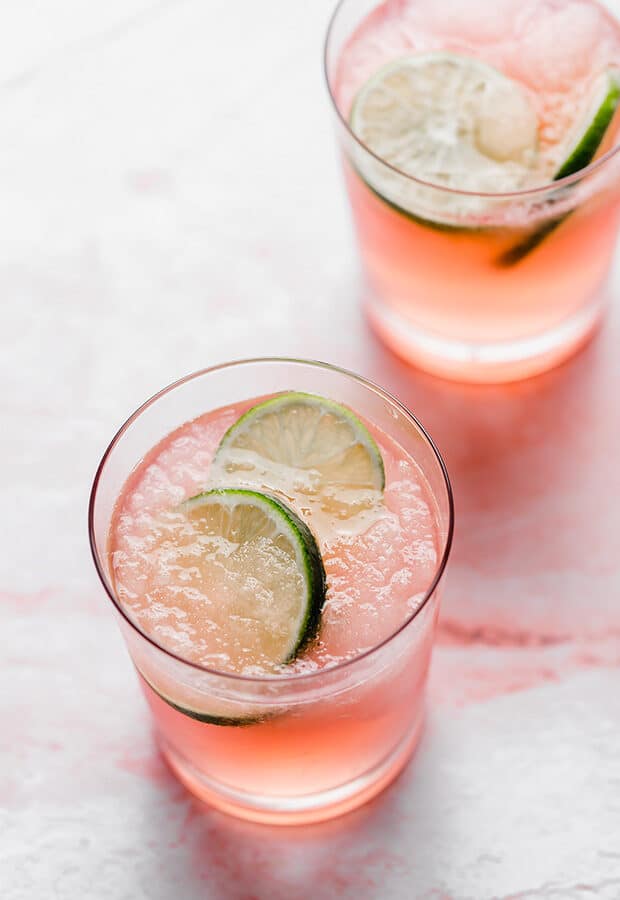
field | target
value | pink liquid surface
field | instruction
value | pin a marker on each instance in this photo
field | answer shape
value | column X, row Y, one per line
column 353, row 731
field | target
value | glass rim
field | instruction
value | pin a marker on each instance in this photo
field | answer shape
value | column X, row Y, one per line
column 520, row 194
column 270, row 679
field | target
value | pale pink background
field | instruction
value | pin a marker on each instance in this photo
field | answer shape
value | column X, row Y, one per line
column 170, row 198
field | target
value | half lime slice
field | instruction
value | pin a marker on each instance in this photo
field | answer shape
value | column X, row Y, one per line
column 447, row 119
column 250, row 586
column 262, row 571
column 576, row 152
column 588, row 135
column 307, row 447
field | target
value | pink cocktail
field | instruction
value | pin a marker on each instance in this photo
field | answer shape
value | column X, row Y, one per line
column 316, row 734
column 474, row 273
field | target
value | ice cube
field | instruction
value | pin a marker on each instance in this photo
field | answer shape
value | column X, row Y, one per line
column 467, row 22
column 559, row 48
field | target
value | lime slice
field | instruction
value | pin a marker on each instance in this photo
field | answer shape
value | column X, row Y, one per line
column 262, row 565
column 245, row 576
column 447, row 119
column 583, row 144
column 577, row 152
column 304, row 446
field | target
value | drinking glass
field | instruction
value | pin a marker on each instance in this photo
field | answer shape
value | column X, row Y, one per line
column 508, row 286
column 311, row 745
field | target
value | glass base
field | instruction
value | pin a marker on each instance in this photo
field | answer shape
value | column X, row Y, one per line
column 294, row 810
column 484, row 362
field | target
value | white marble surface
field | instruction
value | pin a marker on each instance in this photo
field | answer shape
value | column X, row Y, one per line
column 170, row 198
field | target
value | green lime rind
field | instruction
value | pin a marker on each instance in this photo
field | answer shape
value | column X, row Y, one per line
column 584, row 150
column 308, row 555
column 280, row 402
column 591, row 139
column 433, row 224
column 207, row 718
column 519, row 251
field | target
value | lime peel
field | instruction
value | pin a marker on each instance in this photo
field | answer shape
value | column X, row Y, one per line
column 585, row 144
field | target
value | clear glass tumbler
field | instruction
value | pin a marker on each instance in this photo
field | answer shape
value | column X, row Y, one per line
column 315, row 744
column 498, row 286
